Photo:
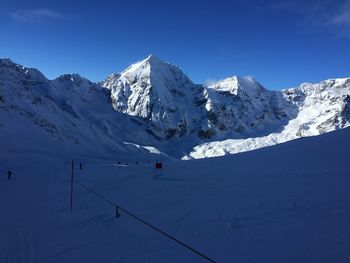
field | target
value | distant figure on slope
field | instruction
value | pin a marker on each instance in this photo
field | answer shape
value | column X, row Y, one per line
column 9, row 173
column 158, row 167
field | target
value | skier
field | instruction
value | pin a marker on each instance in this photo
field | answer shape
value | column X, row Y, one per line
column 9, row 173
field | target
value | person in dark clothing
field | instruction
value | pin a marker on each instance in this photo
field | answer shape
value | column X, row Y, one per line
column 9, row 173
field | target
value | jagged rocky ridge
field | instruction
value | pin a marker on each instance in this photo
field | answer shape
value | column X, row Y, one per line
column 172, row 107
column 155, row 103
column 38, row 114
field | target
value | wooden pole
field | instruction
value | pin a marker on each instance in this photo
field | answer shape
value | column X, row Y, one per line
column 71, row 187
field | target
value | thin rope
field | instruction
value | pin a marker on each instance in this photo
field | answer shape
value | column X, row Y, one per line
column 147, row 224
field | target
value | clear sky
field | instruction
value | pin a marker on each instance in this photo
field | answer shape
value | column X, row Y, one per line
column 280, row 43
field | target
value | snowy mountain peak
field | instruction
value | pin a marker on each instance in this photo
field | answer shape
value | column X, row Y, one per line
column 12, row 71
column 155, row 62
column 153, row 90
column 152, row 59
column 74, row 79
column 237, row 85
column 154, row 71
column 6, row 62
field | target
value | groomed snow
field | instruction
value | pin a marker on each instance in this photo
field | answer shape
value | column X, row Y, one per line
column 285, row 203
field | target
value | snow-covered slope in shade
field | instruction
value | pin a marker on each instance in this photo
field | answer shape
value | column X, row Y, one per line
column 287, row 203
column 70, row 113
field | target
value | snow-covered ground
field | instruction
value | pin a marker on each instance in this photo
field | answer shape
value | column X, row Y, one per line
column 285, row 203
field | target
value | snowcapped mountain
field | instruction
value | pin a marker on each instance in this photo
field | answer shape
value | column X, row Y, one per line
column 171, row 106
column 240, row 107
column 311, row 109
column 69, row 112
column 153, row 103
column 158, row 93
column 233, row 115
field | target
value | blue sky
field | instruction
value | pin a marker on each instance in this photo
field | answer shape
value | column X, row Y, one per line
column 280, row 43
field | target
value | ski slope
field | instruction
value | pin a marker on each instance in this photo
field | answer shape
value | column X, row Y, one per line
column 285, row 203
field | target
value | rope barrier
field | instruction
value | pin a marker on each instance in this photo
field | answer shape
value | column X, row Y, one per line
column 145, row 223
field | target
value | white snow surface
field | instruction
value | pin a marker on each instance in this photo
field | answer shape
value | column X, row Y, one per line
column 285, row 203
